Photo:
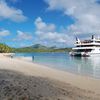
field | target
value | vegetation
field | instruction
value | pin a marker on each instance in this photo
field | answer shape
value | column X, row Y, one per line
column 35, row 48
column 5, row 49
column 41, row 48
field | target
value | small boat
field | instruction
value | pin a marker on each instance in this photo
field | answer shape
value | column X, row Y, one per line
column 86, row 48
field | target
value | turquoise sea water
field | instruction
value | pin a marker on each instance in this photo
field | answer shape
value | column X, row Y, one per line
column 88, row 66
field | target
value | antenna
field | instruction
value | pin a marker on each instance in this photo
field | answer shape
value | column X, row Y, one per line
column 92, row 36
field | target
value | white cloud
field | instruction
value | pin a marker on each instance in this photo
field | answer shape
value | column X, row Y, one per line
column 42, row 26
column 22, row 36
column 7, row 12
column 47, row 32
column 85, row 13
column 4, row 33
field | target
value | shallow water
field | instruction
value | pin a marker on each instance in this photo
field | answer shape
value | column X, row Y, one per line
column 88, row 66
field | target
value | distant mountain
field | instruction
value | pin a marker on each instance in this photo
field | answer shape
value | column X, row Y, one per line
column 53, row 47
column 39, row 46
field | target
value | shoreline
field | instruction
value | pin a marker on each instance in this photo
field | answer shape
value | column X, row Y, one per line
column 37, row 70
column 27, row 59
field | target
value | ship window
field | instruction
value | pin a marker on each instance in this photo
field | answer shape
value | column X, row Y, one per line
column 97, row 41
column 83, row 50
column 88, row 46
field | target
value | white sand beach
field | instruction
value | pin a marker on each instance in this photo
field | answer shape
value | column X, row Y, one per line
column 59, row 85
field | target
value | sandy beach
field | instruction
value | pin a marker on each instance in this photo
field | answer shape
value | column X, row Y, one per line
column 23, row 80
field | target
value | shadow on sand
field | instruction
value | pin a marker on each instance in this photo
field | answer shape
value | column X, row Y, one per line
column 17, row 86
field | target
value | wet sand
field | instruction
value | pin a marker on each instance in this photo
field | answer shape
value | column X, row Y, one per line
column 22, row 80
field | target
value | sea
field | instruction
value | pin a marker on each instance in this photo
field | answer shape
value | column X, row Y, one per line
column 87, row 66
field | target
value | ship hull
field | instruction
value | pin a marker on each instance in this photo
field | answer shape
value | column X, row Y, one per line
column 77, row 54
column 81, row 54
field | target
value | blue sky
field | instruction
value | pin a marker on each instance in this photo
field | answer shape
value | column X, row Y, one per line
column 48, row 22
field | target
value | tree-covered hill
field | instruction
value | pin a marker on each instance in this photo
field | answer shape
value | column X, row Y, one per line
column 5, row 49
column 41, row 48
column 34, row 48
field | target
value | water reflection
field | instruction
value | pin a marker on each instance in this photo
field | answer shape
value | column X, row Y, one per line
column 87, row 65
column 81, row 65
column 95, row 63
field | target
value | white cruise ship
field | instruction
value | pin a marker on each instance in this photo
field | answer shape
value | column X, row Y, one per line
column 86, row 48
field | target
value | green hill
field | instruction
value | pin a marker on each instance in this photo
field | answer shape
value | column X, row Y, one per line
column 41, row 48
column 5, row 49
column 34, row 48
